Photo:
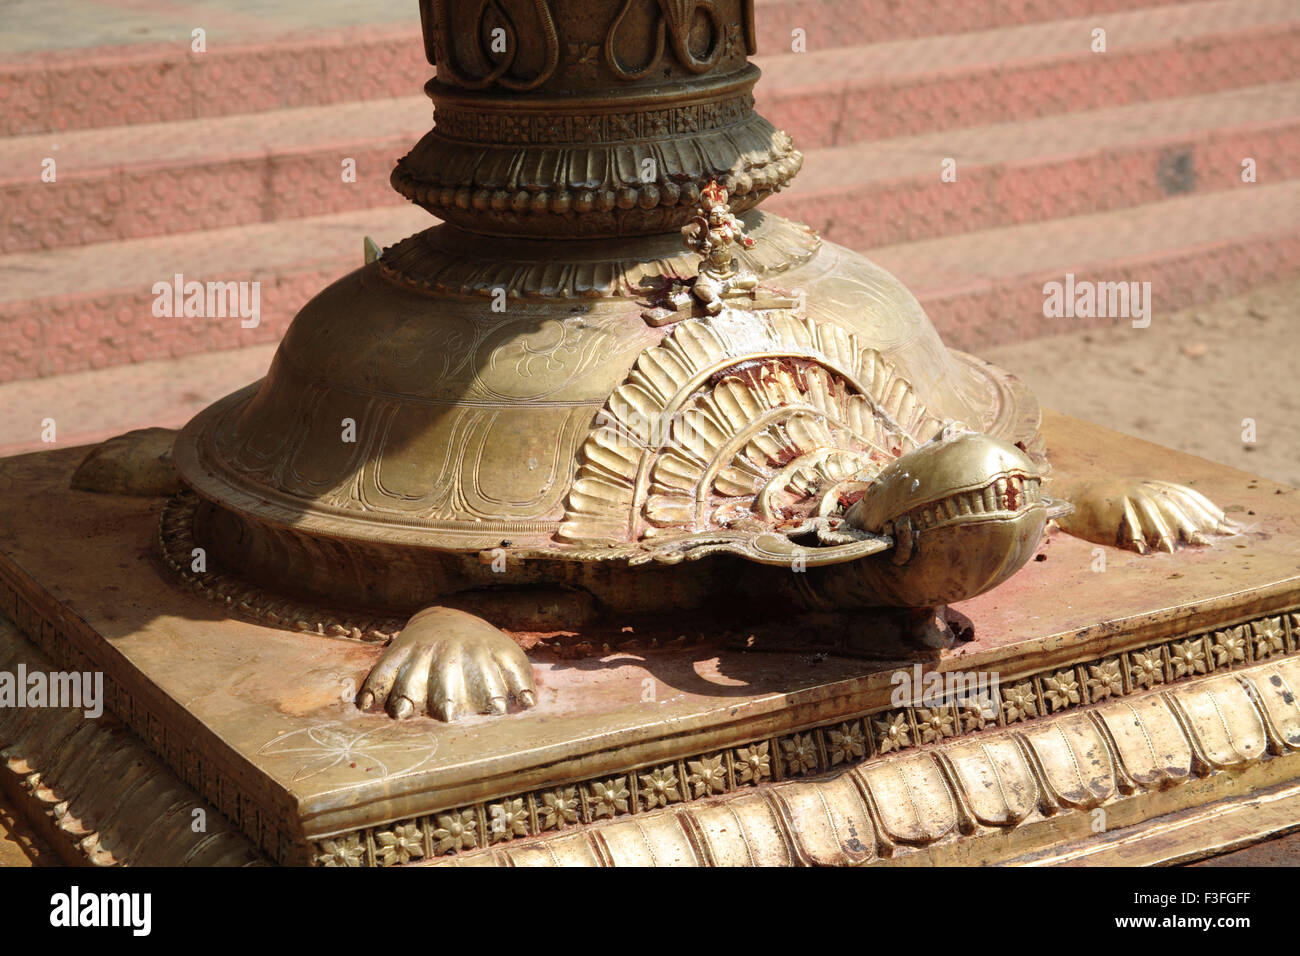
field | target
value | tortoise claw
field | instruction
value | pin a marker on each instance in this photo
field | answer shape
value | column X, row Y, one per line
column 447, row 663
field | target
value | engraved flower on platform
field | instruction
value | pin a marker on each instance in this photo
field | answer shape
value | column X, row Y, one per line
column 1269, row 637
column 935, row 723
column 1061, row 690
column 1020, row 702
column 800, row 753
column 608, row 797
column 558, row 807
column 387, row 751
column 1105, row 680
column 753, row 763
column 399, row 845
column 658, row 123
column 659, row 787
column 341, row 851
column 1188, row 657
column 893, row 732
column 1230, row 646
column 707, row 775
column 508, row 819
column 1148, row 667
column 456, row 831
column 846, row 744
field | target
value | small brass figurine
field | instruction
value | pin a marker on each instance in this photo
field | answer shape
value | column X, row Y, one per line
column 714, row 234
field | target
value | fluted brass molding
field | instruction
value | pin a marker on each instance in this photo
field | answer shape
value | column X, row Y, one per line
column 1075, row 765
column 104, row 795
column 1094, row 703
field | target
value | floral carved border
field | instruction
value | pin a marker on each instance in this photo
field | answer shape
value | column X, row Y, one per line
column 841, row 744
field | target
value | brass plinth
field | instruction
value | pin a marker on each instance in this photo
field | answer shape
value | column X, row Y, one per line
column 252, row 718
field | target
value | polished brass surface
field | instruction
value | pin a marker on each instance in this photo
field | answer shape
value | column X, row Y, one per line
column 605, row 363
column 258, row 721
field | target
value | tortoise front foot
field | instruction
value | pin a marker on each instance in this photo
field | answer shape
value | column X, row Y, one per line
column 447, row 663
column 1142, row 515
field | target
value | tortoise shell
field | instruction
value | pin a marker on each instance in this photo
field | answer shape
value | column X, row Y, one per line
column 463, row 392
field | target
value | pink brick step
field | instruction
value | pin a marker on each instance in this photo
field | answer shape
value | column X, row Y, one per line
column 92, row 306
column 962, row 280
column 980, row 288
column 902, row 88
column 128, row 182
column 881, row 193
column 132, row 182
column 986, row 288
column 66, row 89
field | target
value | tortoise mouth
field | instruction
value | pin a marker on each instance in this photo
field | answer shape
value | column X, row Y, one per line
column 1004, row 496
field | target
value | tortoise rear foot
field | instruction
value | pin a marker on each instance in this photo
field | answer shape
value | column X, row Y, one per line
column 447, row 663
column 1142, row 515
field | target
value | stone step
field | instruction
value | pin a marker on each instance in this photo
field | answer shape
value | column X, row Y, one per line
column 891, row 191
column 980, row 288
column 986, row 288
column 91, row 306
column 134, row 66
column 908, row 87
column 128, row 182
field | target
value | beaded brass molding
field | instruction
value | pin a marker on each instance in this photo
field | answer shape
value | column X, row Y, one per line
column 647, row 181
column 176, row 544
column 433, row 262
column 868, row 742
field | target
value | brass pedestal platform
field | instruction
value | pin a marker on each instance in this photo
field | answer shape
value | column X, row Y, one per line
column 1148, row 714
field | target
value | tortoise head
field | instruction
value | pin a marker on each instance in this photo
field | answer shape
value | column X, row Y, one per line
column 965, row 511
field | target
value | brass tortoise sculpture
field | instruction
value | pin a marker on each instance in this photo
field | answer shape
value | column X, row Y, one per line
column 749, row 450
column 609, row 389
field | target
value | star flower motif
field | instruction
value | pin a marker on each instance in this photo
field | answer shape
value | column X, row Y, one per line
column 508, row 819
column 559, row 807
column 341, row 851
column 893, row 732
column 659, row 787
column 1269, row 637
column 1020, row 702
column 1230, row 647
column 800, row 754
column 707, row 775
column 456, row 831
column 1148, row 668
column 1061, row 690
column 1105, row 680
column 847, row 744
column 935, row 723
column 753, row 763
column 399, row 845
column 1188, row 657
column 608, row 797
